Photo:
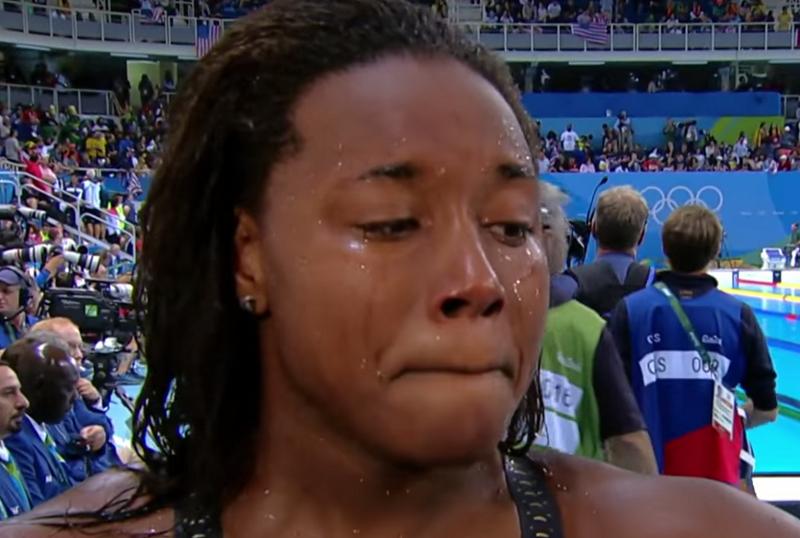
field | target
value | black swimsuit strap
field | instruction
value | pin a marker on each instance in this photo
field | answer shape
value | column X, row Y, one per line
column 527, row 483
column 537, row 508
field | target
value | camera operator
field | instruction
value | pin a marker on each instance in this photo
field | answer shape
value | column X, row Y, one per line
column 54, row 264
column 17, row 294
column 84, row 437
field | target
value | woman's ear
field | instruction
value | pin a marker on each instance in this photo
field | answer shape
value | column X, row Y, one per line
column 250, row 270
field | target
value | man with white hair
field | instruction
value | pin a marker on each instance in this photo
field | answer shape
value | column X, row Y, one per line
column 590, row 409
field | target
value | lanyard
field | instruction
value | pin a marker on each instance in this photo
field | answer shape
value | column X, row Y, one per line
column 687, row 326
column 18, row 482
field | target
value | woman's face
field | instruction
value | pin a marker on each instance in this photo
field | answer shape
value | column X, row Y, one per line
column 399, row 252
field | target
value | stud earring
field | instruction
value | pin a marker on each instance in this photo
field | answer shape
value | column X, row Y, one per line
column 248, row 304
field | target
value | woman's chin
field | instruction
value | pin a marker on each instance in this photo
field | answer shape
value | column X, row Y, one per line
column 447, row 435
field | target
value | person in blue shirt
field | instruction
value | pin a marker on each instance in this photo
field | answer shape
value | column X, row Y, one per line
column 16, row 294
column 14, row 496
column 84, row 437
column 48, row 375
column 618, row 226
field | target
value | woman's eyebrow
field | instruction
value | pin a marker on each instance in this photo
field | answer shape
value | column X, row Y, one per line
column 404, row 171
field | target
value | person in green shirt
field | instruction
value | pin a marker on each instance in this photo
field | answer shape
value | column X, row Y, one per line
column 793, row 248
column 590, row 409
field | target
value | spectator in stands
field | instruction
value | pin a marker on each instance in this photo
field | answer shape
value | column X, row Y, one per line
column 16, row 294
column 569, row 140
column 13, row 150
column 785, row 20
column 741, row 150
column 579, row 357
column 48, row 375
column 93, row 218
column 96, row 146
column 5, row 127
column 14, row 495
column 169, row 83
column 618, row 226
column 624, row 126
column 146, row 91
column 792, row 249
column 687, row 347
column 554, row 11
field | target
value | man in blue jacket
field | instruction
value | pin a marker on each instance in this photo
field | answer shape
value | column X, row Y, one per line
column 84, row 437
column 14, row 496
column 48, row 375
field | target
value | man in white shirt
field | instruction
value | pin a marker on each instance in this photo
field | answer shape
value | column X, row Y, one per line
column 93, row 218
column 569, row 140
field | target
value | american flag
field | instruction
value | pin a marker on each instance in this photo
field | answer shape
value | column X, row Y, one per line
column 208, row 33
column 132, row 184
column 592, row 31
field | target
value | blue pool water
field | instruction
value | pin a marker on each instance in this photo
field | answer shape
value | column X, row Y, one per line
column 776, row 445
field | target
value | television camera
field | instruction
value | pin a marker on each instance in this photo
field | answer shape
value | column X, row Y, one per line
column 107, row 322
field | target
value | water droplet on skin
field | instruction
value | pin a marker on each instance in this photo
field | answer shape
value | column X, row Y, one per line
column 266, row 492
column 442, row 171
column 339, row 164
column 356, row 531
column 388, row 493
column 320, row 222
column 408, row 491
column 363, row 267
column 361, row 480
column 363, row 363
column 272, row 517
column 517, row 294
column 507, row 258
column 379, row 374
column 340, row 146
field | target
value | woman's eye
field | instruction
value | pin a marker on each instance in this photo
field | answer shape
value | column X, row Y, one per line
column 511, row 233
column 390, row 230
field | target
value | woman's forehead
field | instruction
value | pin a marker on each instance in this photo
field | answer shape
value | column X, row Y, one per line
column 406, row 100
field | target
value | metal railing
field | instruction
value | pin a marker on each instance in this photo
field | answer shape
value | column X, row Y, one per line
column 86, row 102
column 98, row 25
column 65, row 203
column 117, row 27
column 635, row 37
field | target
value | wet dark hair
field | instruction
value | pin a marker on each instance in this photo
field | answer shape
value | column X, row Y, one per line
column 231, row 124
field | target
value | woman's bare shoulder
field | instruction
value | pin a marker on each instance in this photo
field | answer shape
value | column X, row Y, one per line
column 55, row 517
column 595, row 497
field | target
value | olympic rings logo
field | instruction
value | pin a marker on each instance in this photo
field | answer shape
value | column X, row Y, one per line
column 661, row 204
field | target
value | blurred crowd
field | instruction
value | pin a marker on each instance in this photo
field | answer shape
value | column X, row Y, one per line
column 685, row 148
column 65, row 140
column 634, row 11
